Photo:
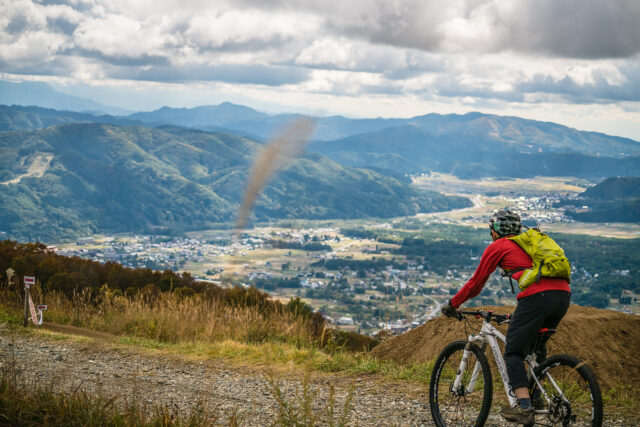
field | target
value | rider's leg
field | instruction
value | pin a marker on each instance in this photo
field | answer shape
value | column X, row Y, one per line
column 531, row 314
column 543, row 309
column 523, row 329
column 561, row 302
column 522, row 393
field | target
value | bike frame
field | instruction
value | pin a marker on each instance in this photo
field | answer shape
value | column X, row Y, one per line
column 490, row 335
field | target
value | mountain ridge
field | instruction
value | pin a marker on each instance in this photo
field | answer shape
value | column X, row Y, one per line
column 110, row 178
column 468, row 145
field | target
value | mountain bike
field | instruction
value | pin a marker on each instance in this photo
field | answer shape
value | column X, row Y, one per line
column 564, row 390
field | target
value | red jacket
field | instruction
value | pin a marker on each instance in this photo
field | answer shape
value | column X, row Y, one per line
column 508, row 255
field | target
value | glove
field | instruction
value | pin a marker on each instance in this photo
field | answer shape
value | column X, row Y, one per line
column 449, row 311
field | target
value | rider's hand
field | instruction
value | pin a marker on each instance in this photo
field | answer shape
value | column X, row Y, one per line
column 449, row 311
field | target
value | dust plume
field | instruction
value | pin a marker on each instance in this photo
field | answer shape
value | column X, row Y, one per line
column 285, row 146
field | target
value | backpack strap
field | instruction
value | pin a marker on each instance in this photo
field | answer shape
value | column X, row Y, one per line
column 510, row 274
column 540, row 271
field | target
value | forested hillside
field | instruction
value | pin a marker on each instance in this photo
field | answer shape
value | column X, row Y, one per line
column 85, row 178
column 615, row 199
column 28, row 118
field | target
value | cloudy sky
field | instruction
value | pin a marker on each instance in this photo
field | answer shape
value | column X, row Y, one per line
column 576, row 62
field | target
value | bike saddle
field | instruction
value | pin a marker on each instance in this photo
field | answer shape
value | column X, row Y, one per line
column 546, row 332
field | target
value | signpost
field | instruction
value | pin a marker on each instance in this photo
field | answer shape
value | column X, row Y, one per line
column 28, row 281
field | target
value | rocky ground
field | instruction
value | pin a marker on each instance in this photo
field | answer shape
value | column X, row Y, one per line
column 243, row 392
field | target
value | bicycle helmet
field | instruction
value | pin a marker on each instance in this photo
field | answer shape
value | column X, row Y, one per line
column 505, row 223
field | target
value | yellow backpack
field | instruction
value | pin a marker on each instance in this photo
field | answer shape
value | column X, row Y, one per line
column 546, row 255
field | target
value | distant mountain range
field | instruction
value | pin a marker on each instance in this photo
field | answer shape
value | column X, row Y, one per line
column 28, row 118
column 84, row 178
column 42, row 95
column 482, row 132
column 469, row 146
column 474, row 145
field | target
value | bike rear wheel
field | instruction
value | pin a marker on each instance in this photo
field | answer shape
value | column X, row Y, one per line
column 575, row 395
column 469, row 404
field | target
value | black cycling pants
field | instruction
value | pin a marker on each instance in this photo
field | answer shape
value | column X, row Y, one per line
column 542, row 310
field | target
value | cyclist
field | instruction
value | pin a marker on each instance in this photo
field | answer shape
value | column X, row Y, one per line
column 541, row 305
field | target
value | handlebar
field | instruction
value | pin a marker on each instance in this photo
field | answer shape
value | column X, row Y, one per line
column 488, row 316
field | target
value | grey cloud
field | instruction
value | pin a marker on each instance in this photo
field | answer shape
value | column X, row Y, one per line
column 564, row 28
column 80, row 6
column 451, row 91
column 417, row 65
column 577, row 28
column 119, row 59
column 567, row 89
column 58, row 67
column 601, row 90
column 61, row 25
column 275, row 42
column 17, row 24
column 382, row 90
column 230, row 73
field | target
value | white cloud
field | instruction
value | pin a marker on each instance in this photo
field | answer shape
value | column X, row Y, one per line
column 216, row 29
column 459, row 52
column 31, row 49
column 118, row 35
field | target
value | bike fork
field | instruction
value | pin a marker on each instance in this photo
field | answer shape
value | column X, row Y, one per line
column 463, row 367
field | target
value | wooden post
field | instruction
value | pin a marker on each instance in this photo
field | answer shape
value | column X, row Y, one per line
column 26, row 305
column 28, row 281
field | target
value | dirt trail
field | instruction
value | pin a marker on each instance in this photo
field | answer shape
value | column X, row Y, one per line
column 607, row 340
column 37, row 169
column 182, row 384
column 74, row 330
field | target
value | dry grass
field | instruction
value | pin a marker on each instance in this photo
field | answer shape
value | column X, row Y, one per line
column 167, row 317
column 305, row 408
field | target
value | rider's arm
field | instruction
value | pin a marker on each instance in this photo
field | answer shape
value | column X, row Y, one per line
column 488, row 263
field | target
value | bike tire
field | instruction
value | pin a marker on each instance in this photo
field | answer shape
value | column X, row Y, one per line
column 579, row 385
column 449, row 408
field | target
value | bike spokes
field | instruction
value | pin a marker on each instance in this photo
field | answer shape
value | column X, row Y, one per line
column 460, row 405
column 571, row 396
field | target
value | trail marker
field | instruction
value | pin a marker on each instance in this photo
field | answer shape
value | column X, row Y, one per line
column 36, row 314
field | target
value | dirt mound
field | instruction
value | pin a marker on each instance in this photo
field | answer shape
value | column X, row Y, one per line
column 74, row 330
column 608, row 341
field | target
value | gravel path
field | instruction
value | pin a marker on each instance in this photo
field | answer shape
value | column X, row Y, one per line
column 186, row 385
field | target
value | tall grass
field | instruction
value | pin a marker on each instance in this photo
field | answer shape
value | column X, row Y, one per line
column 305, row 410
column 170, row 317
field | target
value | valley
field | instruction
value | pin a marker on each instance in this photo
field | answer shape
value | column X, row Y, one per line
column 358, row 273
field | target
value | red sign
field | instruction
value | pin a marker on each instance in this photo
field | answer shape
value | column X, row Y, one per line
column 29, row 280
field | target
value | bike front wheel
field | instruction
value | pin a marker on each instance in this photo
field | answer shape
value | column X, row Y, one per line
column 573, row 391
column 468, row 403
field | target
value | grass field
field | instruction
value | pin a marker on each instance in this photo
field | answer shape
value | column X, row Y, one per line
column 451, row 184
